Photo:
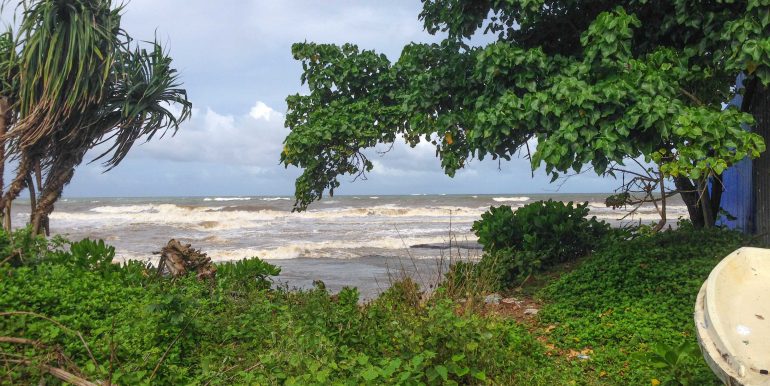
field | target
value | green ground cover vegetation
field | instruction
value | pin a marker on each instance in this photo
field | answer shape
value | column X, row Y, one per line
column 619, row 314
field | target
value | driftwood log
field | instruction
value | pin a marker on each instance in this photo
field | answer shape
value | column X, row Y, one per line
column 177, row 259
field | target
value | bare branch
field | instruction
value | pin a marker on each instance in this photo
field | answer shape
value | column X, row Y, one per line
column 14, row 340
column 61, row 374
column 63, row 327
column 691, row 96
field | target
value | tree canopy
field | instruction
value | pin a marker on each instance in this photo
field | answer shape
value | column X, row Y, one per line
column 596, row 83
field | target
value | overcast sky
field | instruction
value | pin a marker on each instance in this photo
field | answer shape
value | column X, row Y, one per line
column 235, row 61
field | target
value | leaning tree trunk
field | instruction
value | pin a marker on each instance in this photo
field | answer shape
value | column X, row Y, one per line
column 17, row 185
column 689, row 194
column 59, row 175
column 704, row 201
column 5, row 120
column 759, row 107
column 32, row 196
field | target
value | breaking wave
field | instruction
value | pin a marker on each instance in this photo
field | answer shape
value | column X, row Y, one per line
column 336, row 249
column 510, row 199
column 208, row 218
column 227, row 199
column 324, row 249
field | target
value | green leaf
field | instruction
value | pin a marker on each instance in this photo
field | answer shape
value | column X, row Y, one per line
column 442, row 371
column 370, row 374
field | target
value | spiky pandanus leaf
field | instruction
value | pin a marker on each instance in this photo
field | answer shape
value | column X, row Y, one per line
column 65, row 62
column 9, row 66
column 145, row 87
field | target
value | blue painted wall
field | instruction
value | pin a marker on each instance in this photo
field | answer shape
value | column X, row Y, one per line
column 737, row 198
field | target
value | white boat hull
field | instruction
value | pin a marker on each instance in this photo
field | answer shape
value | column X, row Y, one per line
column 732, row 318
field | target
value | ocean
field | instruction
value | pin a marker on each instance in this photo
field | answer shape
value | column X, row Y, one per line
column 342, row 240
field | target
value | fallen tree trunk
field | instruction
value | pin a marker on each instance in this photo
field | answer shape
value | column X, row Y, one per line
column 177, row 260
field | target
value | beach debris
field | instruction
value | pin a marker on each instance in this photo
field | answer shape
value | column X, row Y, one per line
column 493, row 299
column 177, row 259
column 531, row 311
column 583, row 354
column 515, row 302
column 319, row 285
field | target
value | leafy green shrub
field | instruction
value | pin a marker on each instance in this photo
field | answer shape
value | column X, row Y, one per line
column 22, row 247
column 498, row 229
column 537, row 235
column 555, row 230
column 248, row 273
column 86, row 254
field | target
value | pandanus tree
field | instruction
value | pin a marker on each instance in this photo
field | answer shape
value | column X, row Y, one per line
column 77, row 81
column 595, row 83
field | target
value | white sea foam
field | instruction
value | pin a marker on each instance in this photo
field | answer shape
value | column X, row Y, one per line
column 202, row 218
column 215, row 218
column 275, row 199
column 227, row 199
column 510, row 199
column 124, row 209
column 208, row 218
column 338, row 249
column 645, row 207
column 394, row 211
column 646, row 212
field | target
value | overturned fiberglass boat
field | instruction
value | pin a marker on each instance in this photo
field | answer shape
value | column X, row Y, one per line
column 732, row 318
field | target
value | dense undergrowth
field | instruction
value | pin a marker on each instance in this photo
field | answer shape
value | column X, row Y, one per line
column 633, row 298
column 139, row 328
column 614, row 310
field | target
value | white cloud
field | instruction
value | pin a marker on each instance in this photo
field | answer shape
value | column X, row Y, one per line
column 251, row 139
column 263, row 111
